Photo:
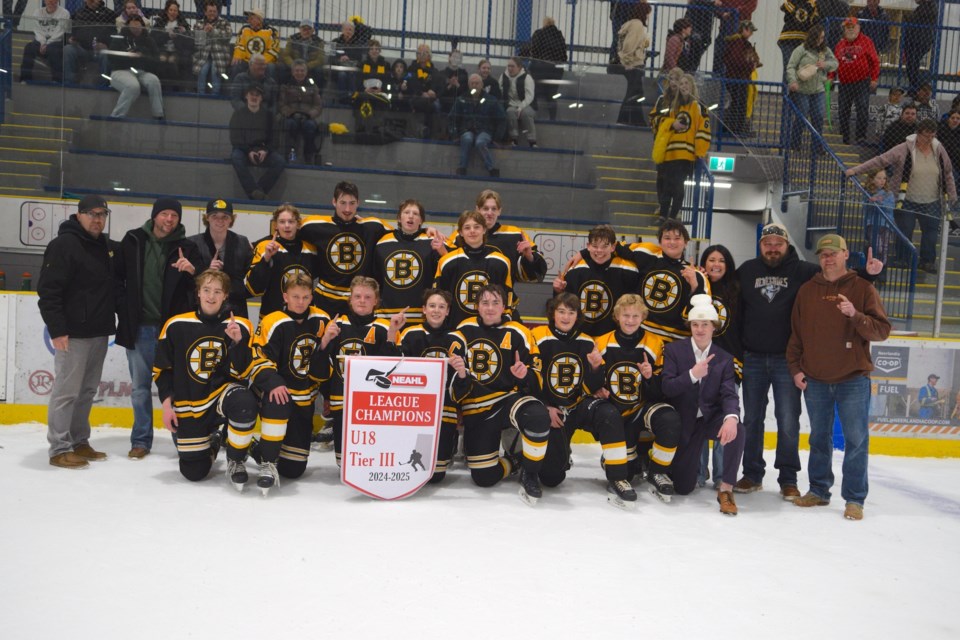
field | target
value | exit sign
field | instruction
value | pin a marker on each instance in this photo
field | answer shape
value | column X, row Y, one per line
column 722, row 164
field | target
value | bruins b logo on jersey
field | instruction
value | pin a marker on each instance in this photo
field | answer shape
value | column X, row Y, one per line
column 204, row 357
column 468, row 289
column 661, row 290
column 403, row 269
column 595, row 300
column 346, row 253
column 292, row 272
column 434, row 352
column 724, row 316
column 300, row 352
column 624, row 379
column 565, row 375
column 351, row 347
column 484, row 360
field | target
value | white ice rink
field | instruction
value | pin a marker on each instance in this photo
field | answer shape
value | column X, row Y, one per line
column 129, row 549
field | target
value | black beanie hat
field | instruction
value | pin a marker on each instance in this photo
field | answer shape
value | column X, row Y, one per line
column 162, row 204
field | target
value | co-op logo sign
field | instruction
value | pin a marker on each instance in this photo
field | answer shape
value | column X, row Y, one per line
column 890, row 360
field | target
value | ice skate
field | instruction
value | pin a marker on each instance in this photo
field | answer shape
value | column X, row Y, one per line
column 621, row 495
column 530, row 491
column 661, row 486
column 268, row 477
column 237, row 474
column 323, row 440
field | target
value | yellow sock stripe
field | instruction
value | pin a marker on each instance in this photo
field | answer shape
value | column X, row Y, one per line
column 533, row 450
column 273, row 430
column 506, row 466
column 193, row 444
column 239, row 439
column 662, row 455
column 631, row 453
column 484, row 461
column 615, row 453
column 441, row 466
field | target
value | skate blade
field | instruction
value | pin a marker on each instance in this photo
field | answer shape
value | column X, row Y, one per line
column 620, row 503
column 264, row 491
column 322, row 446
column 238, row 486
column 529, row 500
column 664, row 498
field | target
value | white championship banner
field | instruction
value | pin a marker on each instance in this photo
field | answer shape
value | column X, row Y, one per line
column 392, row 409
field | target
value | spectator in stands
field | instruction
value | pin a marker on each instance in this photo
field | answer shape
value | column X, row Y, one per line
column 50, row 23
column 858, row 71
column 922, row 163
column 224, row 250
column 684, row 135
column 174, row 42
column 678, row 42
column 891, row 111
column 374, row 66
column 211, row 55
column 927, row 107
column 476, row 120
column 519, row 101
column 490, row 84
column 832, row 13
column 349, row 50
column 897, row 132
column 916, row 38
column 740, row 59
column 136, row 70
column 398, row 73
column 948, row 133
column 877, row 26
column 158, row 265
column 92, row 27
column 548, row 52
column 420, row 87
column 634, row 40
column 732, row 13
column 251, row 134
column 256, row 74
column 128, row 9
column 798, row 17
column 305, row 45
column 700, row 14
column 256, row 37
column 77, row 299
column 300, row 108
column 13, row 13
column 807, row 70
column 453, row 81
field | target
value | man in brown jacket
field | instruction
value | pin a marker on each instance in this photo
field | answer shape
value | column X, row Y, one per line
column 835, row 317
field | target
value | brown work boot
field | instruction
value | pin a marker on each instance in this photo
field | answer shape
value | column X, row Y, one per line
column 69, row 460
column 727, row 506
column 137, row 453
column 87, row 452
column 810, row 499
column 746, row 485
column 853, row 511
column 789, row 492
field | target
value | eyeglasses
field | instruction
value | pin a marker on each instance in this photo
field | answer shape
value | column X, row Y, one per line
column 99, row 215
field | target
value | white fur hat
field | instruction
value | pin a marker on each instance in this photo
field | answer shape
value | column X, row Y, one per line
column 701, row 308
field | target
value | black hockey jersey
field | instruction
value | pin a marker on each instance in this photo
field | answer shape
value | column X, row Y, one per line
column 359, row 336
column 505, row 238
column 404, row 265
column 266, row 278
column 622, row 356
column 290, row 346
column 567, row 375
column 599, row 287
column 464, row 271
column 422, row 341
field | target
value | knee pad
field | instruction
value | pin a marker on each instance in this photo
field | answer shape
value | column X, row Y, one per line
column 195, row 469
column 487, row 477
column 290, row 469
column 437, row 477
column 552, row 479
column 239, row 406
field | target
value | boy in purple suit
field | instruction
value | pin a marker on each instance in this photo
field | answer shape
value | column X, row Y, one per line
column 699, row 381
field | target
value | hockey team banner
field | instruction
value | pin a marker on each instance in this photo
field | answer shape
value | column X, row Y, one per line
column 392, row 409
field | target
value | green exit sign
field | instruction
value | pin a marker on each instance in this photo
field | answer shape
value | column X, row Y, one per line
column 722, row 164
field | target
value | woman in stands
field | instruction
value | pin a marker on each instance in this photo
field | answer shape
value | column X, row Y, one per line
column 632, row 42
column 464, row 271
column 171, row 32
column 806, row 72
column 277, row 258
column 224, row 250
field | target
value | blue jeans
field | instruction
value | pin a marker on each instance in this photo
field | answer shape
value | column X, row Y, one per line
column 717, row 474
column 811, row 106
column 468, row 140
column 140, row 362
column 852, row 401
column 273, row 166
column 929, row 216
column 74, row 55
column 208, row 70
column 303, row 126
column 760, row 372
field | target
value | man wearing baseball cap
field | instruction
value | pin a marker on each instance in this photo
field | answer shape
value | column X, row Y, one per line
column 225, row 250
column 251, row 134
column 834, row 318
column 157, row 268
column 768, row 288
column 858, row 72
column 77, row 294
column 929, row 398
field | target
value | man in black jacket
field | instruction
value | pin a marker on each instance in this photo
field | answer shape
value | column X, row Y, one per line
column 157, row 270
column 77, row 292
column 93, row 25
column 251, row 138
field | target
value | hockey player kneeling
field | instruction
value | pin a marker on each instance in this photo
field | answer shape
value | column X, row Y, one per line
column 203, row 361
column 572, row 373
column 495, row 385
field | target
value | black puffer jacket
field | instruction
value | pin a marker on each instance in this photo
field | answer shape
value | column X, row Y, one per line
column 78, row 285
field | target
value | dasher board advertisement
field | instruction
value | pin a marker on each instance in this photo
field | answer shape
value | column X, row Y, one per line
column 392, row 409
